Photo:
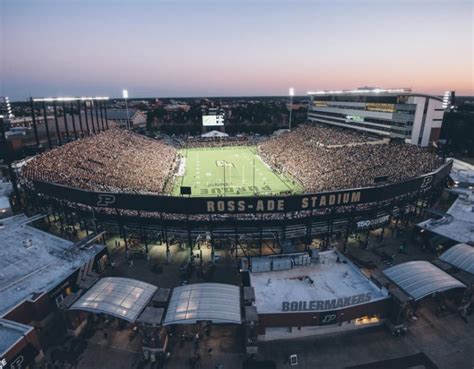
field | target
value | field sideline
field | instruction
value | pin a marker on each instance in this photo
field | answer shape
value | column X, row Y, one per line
column 244, row 171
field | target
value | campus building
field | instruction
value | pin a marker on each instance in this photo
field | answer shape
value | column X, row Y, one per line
column 19, row 345
column 297, row 295
column 38, row 272
column 391, row 113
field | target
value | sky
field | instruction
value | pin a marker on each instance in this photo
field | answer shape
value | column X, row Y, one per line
column 210, row 48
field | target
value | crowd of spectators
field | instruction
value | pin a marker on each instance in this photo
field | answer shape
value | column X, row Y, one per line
column 321, row 158
column 203, row 142
column 114, row 160
column 332, row 136
column 304, row 154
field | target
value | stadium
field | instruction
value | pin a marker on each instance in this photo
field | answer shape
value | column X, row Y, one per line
column 252, row 195
column 268, row 223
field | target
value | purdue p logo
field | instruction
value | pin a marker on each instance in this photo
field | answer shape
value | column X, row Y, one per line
column 17, row 364
column 105, row 199
column 328, row 319
column 426, row 182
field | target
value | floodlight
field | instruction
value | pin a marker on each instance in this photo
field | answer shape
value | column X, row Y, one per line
column 292, row 91
column 125, row 94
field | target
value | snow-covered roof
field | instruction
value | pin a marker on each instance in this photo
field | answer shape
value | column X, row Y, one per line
column 5, row 187
column 460, row 256
column 123, row 298
column 10, row 333
column 33, row 262
column 4, row 202
column 332, row 281
column 216, row 302
column 421, row 278
column 458, row 224
column 462, row 171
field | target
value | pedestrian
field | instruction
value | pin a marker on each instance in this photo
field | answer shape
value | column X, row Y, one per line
column 209, row 351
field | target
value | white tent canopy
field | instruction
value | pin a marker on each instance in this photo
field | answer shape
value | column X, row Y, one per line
column 214, row 134
column 420, row 279
column 216, row 302
column 460, row 256
column 120, row 297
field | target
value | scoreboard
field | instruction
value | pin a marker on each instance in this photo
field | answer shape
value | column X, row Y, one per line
column 213, row 120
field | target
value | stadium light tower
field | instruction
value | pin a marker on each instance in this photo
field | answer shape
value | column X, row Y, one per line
column 6, row 100
column 292, row 93
column 125, row 96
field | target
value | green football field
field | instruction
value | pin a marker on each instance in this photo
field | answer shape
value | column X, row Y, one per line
column 244, row 172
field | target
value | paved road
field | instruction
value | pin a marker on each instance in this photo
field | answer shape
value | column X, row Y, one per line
column 447, row 341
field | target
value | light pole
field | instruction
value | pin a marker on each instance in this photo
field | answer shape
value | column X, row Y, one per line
column 125, row 96
column 292, row 93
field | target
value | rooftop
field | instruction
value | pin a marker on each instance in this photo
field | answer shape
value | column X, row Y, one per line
column 419, row 279
column 10, row 333
column 5, row 187
column 458, row 223
column 123, row 298
column 4, row 202
column 151, row 316
column 460, row 256
column 362, row 90
column 332, row 280
column 33, row 262
column 374, row 91
column 217, row 302
column 462, row 172
column 120, row 114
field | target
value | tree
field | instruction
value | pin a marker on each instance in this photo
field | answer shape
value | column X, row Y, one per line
column 458, row 129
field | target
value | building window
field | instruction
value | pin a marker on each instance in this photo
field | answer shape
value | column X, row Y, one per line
column 367, row 320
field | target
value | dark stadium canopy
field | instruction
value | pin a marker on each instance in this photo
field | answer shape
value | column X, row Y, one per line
column 460, row 256
column 123, row 298
column 216, row 302
column 419, row 279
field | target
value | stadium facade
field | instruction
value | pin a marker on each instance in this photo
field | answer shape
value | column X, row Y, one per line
column 240, row 221
column 392, row 113
column 225, row 218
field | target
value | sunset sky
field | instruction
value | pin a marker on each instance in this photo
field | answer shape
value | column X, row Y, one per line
column 232, row 47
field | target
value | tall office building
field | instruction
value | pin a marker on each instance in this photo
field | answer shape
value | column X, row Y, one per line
column 394, row 113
